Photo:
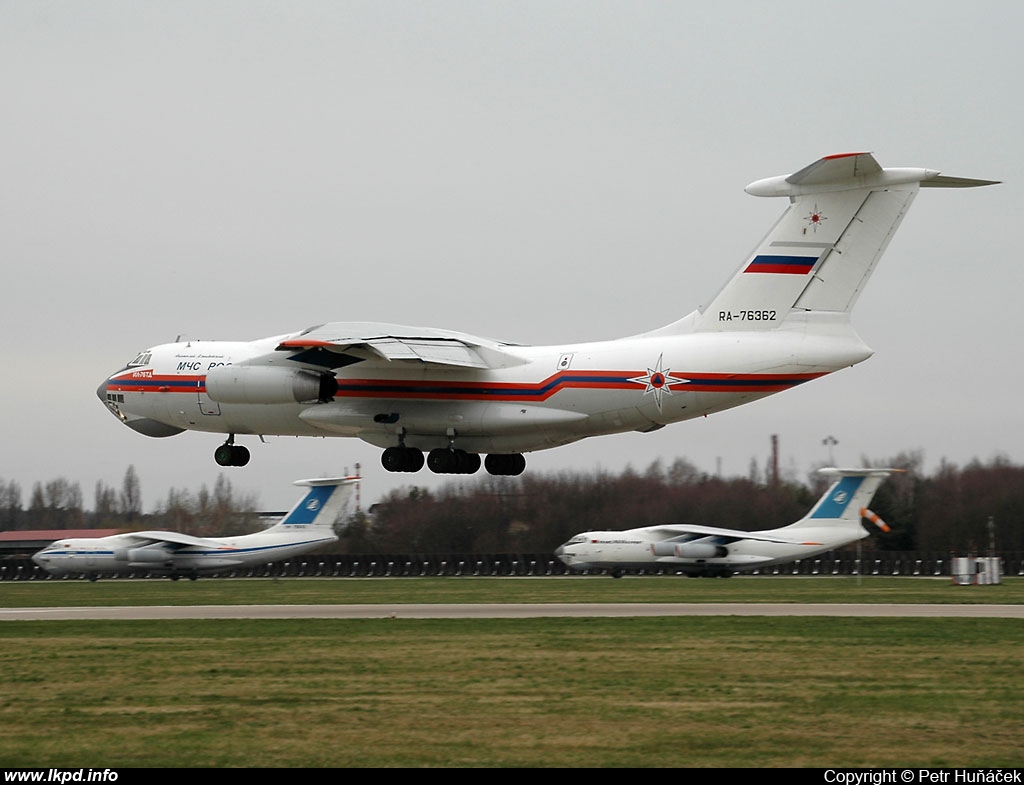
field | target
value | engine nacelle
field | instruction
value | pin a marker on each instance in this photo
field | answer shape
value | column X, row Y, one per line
column 148, row 555
column 689, row 550
column 268, row 384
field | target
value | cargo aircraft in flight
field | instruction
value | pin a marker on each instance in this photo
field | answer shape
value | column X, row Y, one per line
column 708, row 551
column 443, row 398
column 308, row 525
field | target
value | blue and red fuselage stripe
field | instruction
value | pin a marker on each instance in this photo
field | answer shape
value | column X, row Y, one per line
column 496, row 391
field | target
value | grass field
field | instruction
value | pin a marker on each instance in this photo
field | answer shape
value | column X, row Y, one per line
column 636, row 692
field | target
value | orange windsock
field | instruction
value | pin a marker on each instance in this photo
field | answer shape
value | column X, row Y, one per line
column 866, row 513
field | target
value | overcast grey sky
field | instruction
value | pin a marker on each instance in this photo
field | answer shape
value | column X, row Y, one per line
column 538, row 172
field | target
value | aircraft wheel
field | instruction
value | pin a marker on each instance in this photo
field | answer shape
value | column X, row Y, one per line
column 517, row 464
column 467, row 462
column 442, row 461
column 392, row 460
column 415, row 459
column 231, row 455
column 509, row 465
column 224, row 455
column 402, row 459
column 449, row 461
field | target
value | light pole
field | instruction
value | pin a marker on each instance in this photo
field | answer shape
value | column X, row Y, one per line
column 830, row 442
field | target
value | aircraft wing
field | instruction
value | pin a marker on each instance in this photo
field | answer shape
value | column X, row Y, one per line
column 173, row 538
column 672, row 531
column 344, row 343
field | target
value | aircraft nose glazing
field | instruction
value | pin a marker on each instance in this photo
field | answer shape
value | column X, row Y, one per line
column 101, row 393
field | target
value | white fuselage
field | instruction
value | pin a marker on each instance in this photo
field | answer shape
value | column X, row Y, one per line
column 122, row 553
column 536, row 398
column 634, row 549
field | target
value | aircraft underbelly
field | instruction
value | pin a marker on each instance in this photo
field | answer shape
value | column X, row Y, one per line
column 276, row 420
column 206, row 563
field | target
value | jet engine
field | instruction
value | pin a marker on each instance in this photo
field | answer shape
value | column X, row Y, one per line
column 689, row 550
column 148, row 554
column 268, row 384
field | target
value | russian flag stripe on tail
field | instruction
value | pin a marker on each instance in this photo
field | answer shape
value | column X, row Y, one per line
column 786, row 265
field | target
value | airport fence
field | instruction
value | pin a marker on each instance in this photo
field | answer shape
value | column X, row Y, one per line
column 526, row 565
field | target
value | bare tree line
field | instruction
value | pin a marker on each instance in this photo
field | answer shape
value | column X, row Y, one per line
column 969, row 509
column 58, row 504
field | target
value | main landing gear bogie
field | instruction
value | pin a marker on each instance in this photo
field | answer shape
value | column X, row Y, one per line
column 449, row 460
column 402, row 459
column 446, row 460
column 509, row 464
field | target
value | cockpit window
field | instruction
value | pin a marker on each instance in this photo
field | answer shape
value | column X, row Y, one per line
column 142, row 359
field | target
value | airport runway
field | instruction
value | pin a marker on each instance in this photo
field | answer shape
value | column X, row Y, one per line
column 506, row 611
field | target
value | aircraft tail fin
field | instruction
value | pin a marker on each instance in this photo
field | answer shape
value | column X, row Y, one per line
column 321, row 505
column 844, row 209
column 848, row 497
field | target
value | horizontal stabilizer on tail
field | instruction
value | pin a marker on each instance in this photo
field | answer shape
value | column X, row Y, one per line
column 942, row 181
column 847, row 171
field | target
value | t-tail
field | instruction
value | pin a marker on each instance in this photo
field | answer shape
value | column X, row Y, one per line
column 846, row 500
column 815, row 262
column 322, row 505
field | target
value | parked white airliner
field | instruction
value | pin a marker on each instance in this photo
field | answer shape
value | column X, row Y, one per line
column 781, row 320
column 308, row 525
column 715, row 552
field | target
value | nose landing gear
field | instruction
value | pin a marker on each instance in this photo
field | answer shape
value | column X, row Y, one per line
column 231, row 454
